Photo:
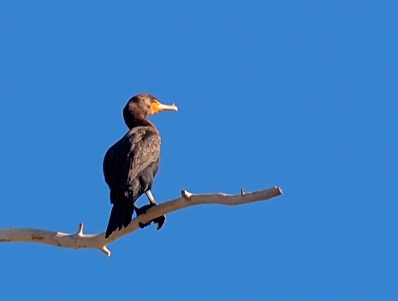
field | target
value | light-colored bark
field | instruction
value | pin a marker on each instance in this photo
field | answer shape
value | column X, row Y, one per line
column 98, row 241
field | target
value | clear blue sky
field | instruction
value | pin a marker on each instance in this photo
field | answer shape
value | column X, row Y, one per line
column 299, row 94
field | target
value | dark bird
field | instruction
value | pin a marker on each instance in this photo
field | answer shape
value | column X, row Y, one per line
column 132, row 163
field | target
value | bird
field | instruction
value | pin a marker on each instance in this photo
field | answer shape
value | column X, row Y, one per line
column 131, row 164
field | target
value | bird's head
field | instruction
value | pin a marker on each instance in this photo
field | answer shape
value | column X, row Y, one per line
column 142, row 106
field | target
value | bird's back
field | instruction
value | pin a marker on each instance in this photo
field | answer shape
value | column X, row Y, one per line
column 115, row 165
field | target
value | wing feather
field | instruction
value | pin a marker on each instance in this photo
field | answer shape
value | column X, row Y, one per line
column 131, row 155
column 144, row 150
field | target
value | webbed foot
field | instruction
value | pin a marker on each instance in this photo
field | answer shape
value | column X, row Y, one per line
column 159, row 221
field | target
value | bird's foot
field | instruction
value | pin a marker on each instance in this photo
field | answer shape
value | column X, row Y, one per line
column 159, row 221
column 143, row 210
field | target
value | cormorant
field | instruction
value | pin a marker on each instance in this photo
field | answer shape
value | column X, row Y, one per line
column 131, row 164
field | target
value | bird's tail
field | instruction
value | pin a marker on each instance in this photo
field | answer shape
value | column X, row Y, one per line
column 121, row 215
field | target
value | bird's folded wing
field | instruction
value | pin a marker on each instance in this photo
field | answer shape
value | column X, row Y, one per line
column 144, row 150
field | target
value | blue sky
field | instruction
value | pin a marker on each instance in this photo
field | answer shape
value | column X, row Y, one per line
column 302, row 95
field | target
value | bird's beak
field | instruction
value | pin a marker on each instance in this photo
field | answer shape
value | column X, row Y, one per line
column 159, row 107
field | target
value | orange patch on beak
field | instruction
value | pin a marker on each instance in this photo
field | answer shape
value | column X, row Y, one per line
column 159, row 107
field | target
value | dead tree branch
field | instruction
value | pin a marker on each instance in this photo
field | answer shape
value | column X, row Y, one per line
column 98, row 241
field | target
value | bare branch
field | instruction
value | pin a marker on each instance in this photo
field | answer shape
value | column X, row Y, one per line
column 98, row 241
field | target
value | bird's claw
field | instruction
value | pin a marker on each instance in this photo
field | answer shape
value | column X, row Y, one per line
column 159, row 221
column 142, row 225
column 143, row 209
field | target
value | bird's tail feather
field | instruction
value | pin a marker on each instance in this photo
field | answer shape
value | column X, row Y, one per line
column 121, row 215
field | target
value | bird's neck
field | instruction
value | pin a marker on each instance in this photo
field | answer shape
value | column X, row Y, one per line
column 134, row 122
